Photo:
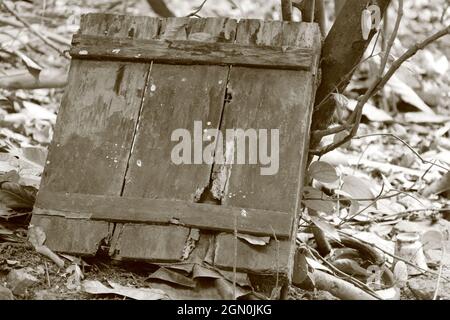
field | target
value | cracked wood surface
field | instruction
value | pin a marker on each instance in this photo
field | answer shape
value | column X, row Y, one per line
column 113, row 140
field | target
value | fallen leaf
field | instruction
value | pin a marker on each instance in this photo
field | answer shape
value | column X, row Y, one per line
column 75, row 276
column 423, row 117
column 17, row 197
column 326, row 227
column 173, row 277
column 316, row 265
column 358, row 188
column 432, row 239
column 350, row 267
column 96, row 287
column 32, row 66
column 312, row 199
column 323, row 172
column 257, row 241
column 407, row 94
column 371, row 112
column 439, row 186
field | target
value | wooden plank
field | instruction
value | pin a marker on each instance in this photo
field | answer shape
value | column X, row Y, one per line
column 73, row 236
column 160, row 211
column 95, row 127
column 191, row 52
column 138, row 242
column 175, row 97
column 93, row 136
column 265, row 99
column 268, row 259
column 268, row 99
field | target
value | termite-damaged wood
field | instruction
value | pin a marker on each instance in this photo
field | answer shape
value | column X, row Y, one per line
column 161, row 211
column 176, row 96
column 110, row 169
column 267, row 99
column 137, row 242
column 191, row 52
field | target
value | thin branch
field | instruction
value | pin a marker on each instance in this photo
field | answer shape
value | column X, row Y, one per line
column 392, row 38
column 197, row 10
column 380, row 82
column 441, row 267
column 424, row 161
column 29, row 27
column 319, row 134
column 343, row 275
column 344, row 78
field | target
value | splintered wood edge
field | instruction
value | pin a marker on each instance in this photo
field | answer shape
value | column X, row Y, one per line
column 191, row 52
column 158, row 211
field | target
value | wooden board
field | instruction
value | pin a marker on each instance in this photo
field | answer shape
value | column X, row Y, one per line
column 170, row 104
column 95, row 128
column 181, row 52
column 110, row 169
column 82, row 237
column 162, row 211
column 267, row 99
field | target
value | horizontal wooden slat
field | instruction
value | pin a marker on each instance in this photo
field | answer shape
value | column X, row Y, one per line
column 158, row 211
column 191, row 52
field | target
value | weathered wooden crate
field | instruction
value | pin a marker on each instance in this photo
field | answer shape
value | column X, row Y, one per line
column 109, row 180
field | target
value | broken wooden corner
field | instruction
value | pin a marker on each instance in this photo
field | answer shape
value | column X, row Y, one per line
column 109, row 183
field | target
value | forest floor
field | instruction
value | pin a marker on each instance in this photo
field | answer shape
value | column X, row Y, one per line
column 401, row 156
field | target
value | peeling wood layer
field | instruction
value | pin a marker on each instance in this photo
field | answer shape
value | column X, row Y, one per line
column 110, row 182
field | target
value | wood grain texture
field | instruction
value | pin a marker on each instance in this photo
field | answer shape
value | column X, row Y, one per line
column 111, row 155
column 182, row 52
column 268, row 259
column 159, row 211
column 268, row 99
column 95, row 127
column 81, row 237
column 149, row 242
column 176, row 96
column 98, row 115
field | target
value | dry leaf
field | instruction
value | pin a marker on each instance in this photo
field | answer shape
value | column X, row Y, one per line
column 96, row 287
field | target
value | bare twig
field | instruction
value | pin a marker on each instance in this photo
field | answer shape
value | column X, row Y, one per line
column 343, row 275
column 29, row 27
column 380, row 82
column 372, row 55
column 277, row 261
column 45, row 251
column 319, row 134
column 392, row 38
column 441, row 265
column 197, row 10
column 407, row 145
column 47, row 275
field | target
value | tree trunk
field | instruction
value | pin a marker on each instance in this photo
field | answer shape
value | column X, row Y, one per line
column 338, row 4
column 343, row 49
column 160, row 8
